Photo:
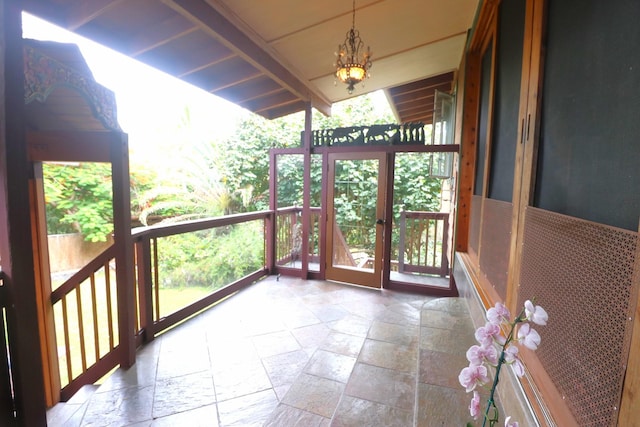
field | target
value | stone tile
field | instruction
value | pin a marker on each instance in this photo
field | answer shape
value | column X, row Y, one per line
column 232, row 351
column 285, row 368
column 267, row 361
column 445, row 320
column 391, row 356
column 240, row 379
column 179, row 394
column 354, row 412
column 288, row 416
column 65, row 414
column 314, row 394
column 206, row 416
column 440, row 368
column 442, row 406
column 451, row 305
column 331, row 365
column 328, row 312
column 311, row 336
column 352, row 325
column 275, row 343
column 446, row 341
column 298, row 317
column 364, row 308
column 119, row 407
column 348, row 345
column 281, row 391
column 382, row 385
column 183, row 356
column 401, row 314
column 393, row 333
column 248, row 411
column 256, row 323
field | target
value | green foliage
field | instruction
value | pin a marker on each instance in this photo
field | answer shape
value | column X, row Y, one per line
column 211, row 258
column 245, row 170
column 196, row 191
column 78, row 199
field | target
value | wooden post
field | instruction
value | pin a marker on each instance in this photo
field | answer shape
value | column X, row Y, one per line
column 123, row 243
column 306, row 191
column 630, row 405
column 15, row 231
column 271, row 227
column 145, row 283
column 48, row 344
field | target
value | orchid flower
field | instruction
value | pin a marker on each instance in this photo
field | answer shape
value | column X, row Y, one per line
column 535, row 313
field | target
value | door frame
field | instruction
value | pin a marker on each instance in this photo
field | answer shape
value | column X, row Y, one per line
column 373, row 279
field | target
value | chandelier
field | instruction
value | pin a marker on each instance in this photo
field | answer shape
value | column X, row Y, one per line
column 353, row 61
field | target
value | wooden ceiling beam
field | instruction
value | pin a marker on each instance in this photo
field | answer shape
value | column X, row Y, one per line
column 249, row 90
column 166, row 31
column 85, row 11
column 210, row 62
column 280, row 98
column 284, row 110
column 416, row 103
column 426, row 119
column 417, row 111
column 229, row 34
column 446, row 78
column 223, row 75
column 420, row 94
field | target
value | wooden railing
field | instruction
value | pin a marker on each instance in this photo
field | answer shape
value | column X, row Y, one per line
column 85, row 306
column 422, row 246
column 148, row 250
column 289, row 235
column 86, row 324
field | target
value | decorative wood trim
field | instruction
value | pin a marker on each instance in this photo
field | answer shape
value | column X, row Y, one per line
column 123, row 243
column 48, row 345
column 630, row 402
column 468, row 143
column 15, row 233
column 528, row 129
column 51, row 146
column 306, row 189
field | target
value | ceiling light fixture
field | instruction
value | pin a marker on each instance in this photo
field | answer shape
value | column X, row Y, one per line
column 353, row 61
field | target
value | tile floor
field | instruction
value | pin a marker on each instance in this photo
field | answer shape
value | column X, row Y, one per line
column 290, row 352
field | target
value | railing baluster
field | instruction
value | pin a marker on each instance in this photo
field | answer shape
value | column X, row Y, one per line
column 83, row 352
column 156, row 281
column 94, row 312
column 435, row 242
column 107, row 279
column 67, row 340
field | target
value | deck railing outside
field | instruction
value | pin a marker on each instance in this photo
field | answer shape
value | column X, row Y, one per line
column 85, row 305
column 156, row 275
column 289, row 236
column 422, row 244
column 86, row 323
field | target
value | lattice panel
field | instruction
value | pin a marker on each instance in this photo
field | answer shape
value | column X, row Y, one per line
column 581, row 272
column 474, row 223
column 496, row 239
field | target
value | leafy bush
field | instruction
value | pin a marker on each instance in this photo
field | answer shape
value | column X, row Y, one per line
column 211, row 258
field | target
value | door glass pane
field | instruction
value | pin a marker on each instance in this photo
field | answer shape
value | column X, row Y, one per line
column 354, row 204
column 421, row 205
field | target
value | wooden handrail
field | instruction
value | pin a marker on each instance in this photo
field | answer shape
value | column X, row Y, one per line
column 81, row 275
column 164, row 230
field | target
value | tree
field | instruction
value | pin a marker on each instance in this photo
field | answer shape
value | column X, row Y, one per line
column 78, row 198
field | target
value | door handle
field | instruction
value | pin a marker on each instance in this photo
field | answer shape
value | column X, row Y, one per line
column 380, row 221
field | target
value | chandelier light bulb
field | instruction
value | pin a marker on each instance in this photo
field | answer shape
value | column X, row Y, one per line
column 353, row 62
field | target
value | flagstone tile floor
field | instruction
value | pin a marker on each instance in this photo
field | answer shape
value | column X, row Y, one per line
column 289, row 352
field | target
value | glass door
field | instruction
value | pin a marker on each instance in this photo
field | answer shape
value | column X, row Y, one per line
column 355, row 221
